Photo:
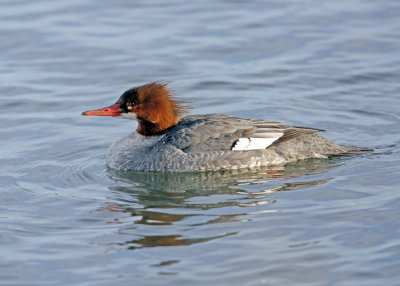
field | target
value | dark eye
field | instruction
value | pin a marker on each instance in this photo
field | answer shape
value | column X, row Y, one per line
column 128, row 99
column 130, row 105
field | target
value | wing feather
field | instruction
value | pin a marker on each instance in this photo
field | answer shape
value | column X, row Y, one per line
column 216, row 132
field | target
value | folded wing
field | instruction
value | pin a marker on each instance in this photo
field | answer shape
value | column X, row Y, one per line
column 216, row 132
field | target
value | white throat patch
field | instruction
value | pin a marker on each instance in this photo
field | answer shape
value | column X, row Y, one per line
column 128, row 115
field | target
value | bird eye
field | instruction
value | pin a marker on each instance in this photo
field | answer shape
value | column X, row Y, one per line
column 130, row 105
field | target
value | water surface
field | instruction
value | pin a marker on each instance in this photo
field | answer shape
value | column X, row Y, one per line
column 67, row 219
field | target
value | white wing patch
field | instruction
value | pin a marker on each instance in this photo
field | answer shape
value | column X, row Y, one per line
column 253, row 143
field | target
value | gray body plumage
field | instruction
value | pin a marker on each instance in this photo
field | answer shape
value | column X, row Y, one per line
column 205, row 142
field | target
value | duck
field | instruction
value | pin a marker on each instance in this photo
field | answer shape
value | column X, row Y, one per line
column 168, row 140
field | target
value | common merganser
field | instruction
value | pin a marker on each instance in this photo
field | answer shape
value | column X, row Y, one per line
column 166, row 141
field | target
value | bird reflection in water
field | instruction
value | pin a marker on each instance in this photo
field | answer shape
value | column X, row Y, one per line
column 174, row 205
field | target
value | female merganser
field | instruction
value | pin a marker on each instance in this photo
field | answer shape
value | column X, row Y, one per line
column 165, row 142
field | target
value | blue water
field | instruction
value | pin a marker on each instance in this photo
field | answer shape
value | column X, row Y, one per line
column 66, row 219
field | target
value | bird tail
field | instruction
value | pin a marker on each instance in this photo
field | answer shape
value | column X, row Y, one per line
column 356, row 151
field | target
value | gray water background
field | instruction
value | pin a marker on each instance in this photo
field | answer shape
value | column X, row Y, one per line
column 65, row 219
